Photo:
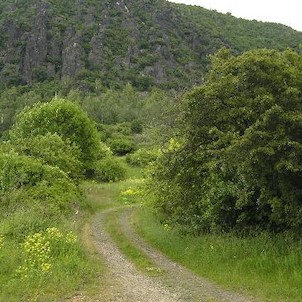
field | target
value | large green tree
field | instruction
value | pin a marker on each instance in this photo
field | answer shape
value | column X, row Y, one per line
column 239, row 156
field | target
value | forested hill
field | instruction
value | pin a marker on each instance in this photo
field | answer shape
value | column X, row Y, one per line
column 109, row 43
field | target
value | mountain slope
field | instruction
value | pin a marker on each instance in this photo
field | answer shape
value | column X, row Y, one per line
column 109, row 43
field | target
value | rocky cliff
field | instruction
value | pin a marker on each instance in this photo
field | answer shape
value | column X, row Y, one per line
column 145, row 42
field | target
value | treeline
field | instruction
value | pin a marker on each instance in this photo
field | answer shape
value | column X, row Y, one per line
column 108, row 107
column 235, row 164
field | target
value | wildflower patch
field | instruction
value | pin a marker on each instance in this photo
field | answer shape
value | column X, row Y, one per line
column 130, row 195
column 41, row 249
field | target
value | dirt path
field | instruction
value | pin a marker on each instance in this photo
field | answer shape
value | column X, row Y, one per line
column 127, row 284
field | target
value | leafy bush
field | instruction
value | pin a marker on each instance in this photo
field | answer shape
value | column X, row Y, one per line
column 136, row 126
column 103, row 151
column 121, row 146
column 51, row 149
column 114, row 131
column 19, row 171
column 64, row 118
column 40, row 74
column 142, row 157
column 109, row 169
column 33, row 195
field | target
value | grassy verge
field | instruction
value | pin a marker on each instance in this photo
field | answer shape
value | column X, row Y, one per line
column 48, row 265
column 42, row 254
column 266, row 267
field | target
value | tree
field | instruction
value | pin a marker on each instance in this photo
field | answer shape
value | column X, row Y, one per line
column 64, row 118
column 238, row 164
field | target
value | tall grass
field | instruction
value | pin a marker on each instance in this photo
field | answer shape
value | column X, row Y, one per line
column 33, row 274
column 268, row 267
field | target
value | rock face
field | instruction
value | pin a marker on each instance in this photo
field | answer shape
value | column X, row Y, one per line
column 72, row 54
column 36, row 43
column 145, row 42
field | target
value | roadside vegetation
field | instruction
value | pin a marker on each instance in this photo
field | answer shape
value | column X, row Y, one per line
column 42, row 208
column 216, row 175
column 267, row 267
column 235, row 164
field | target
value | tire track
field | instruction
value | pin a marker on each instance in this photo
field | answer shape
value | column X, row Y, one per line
column 126, row 283
column 190, row 286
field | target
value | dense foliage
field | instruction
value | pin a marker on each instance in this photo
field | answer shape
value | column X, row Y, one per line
column 32, row 195
column 109, row 169
column 51, row 149
column 110, row 107
column 18, row 171
column 40, row 168
column 65, row 119
column 87, row 80
column 237, row 162
column 142, row 157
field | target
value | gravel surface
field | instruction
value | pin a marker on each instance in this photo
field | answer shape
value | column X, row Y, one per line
column 188, row 285
column 125, row 283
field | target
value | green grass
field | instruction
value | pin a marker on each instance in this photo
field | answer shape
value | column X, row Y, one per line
column 131, row 171
column 72, row 269
column 102, row 196
column 269, row 268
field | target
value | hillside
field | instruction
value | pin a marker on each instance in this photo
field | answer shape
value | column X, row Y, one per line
column 149, row 151
column 98, row 43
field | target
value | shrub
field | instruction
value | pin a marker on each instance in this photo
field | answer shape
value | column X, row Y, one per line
column 121, row 146
column 239, row 166
column 114, row 131
column 64, row 118
column 103, row 151
column 33, row 195
column 109, row 169
column 51, row 149
column 18, row 171
column 21, row 214
column 142, row 157
column 136, row 126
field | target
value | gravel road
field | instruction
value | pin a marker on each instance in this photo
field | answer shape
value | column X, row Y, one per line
column 125, row 283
